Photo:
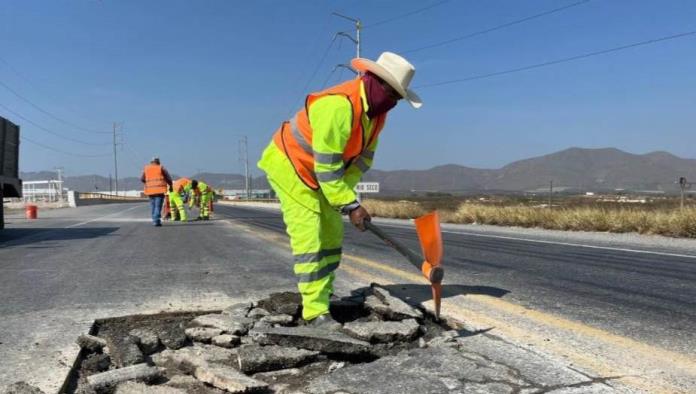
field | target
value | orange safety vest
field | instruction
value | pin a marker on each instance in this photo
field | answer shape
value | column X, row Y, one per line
column 179, row 184
column 294, row 137
column 154, row 180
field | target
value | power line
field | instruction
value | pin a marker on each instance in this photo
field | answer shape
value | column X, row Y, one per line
column 26, row 100
column 564, row 60
column 392, row 19
column 51, row 131
column 314, row 73
column 23, row 138
column 498, row 27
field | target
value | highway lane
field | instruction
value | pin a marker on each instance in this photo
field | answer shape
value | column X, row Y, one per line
column 614, row 311
column 59, row 273
column 648, row 297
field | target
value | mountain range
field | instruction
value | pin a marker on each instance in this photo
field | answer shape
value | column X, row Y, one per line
column 578, row 169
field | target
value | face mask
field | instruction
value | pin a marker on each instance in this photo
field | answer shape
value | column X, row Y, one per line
column 378, row 99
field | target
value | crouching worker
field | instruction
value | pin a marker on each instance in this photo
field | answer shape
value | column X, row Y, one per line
column 176, row 199
column 203, row 194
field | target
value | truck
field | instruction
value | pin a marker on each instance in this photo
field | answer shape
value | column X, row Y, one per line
column 10, row 184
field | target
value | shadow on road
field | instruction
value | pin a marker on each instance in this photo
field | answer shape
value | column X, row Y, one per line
column 416, row 294
column 24, row 236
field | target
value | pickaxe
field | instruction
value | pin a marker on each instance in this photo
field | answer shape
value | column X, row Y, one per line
column 430, row 237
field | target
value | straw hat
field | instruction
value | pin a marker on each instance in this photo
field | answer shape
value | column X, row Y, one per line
column 394, row 70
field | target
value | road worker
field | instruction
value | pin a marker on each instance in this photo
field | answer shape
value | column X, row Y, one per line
column 314, row 162
column 157, row 181
column 176, row 202
column 202, row 193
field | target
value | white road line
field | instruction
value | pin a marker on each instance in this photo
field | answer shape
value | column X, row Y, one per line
column 689, row 256
column 103, row 217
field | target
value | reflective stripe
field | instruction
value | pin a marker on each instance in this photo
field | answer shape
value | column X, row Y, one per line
column 362, row 165
column 316, row 257
column 299, row 137
column 322, row 273
column 330, row 176
column 368, row 154
column 328, row 158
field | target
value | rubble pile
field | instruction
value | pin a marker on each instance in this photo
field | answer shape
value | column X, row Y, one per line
column 256, row 347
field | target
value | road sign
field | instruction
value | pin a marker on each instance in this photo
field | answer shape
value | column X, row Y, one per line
column 367, row 187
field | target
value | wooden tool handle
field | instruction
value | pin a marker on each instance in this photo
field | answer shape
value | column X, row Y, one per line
column 416, row 260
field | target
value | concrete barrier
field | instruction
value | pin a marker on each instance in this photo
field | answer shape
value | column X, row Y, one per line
column 79, row 199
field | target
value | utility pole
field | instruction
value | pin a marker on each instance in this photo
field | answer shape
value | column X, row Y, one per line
column 358, row 27
column 243, row 146
column 550, row 193
column 356, row 40
column 115, row 159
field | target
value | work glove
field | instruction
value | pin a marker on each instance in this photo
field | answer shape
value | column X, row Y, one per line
column 358, row 216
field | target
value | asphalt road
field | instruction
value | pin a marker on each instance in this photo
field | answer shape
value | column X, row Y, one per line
column 614, row 312
column 649, row 297
column 628, row 309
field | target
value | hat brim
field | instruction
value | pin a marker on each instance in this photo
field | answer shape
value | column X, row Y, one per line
column 409, row 95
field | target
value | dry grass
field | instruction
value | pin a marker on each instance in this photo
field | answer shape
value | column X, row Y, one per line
column 668, row 222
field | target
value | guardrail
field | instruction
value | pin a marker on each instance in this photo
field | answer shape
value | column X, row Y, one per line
column 77, row 199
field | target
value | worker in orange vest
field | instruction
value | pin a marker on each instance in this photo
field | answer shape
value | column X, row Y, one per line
column 157, row 182
column 315, row 161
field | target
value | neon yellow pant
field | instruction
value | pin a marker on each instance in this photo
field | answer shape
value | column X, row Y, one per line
column 206, row 197
column 316, row 240
column 176, row 204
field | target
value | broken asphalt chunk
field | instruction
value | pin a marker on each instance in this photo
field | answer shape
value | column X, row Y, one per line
column 257, row 313
column 187, row 358
column 173, row 337
column 281, row 319
column 202, row 334
column 238, row 310
column 325, row 341
column 226, row 340
column 141, row 388
column 287, row 302
column 383, row 331
column 91, row 343
column 229, row 324
column 255, row 358
column 396, row 308
column 125, row 352
column 146, row 339
column 139, row 372
column 229, row 379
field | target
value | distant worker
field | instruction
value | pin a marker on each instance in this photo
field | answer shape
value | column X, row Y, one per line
column 176, row 200
column 315, row 161
column 203, row 194
column 157, row 181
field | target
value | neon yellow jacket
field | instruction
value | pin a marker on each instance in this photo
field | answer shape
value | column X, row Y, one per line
column 331, row 118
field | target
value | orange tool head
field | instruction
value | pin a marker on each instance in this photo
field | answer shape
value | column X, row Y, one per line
column 430, row 236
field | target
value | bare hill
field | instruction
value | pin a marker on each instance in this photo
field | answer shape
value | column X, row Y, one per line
column 574, row 168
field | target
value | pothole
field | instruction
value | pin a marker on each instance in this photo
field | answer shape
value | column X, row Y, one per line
column 262, row 346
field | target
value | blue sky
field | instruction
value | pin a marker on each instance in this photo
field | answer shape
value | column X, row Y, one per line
column 190, row 78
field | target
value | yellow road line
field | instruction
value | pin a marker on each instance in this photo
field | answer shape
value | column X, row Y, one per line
column 667, row 356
